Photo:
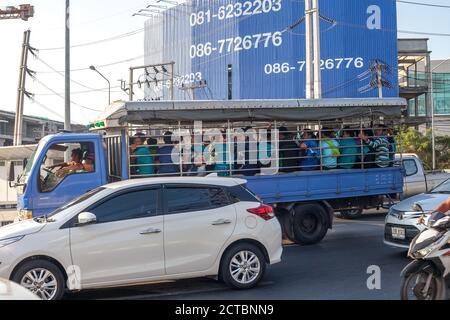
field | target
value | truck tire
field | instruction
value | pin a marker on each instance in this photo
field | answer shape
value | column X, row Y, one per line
column 310, row 223
column 351, row 214
column 286, row 222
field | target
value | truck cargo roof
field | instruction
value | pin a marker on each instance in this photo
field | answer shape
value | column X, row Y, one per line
column 120, row 113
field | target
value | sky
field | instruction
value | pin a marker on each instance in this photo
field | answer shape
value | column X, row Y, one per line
column 102, row 19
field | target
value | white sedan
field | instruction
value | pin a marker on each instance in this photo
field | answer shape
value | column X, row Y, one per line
column 12, row 291
column 139, row 231
column 401, row 225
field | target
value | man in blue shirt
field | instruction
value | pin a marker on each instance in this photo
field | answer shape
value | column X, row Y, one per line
column 310, row 161
column 166, row 165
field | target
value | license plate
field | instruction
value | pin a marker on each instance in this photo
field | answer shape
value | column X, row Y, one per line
column 398, row 233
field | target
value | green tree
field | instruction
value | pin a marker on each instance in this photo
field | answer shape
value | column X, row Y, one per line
column 411, row 140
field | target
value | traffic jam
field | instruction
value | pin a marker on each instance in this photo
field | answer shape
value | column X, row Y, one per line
column 258, row 151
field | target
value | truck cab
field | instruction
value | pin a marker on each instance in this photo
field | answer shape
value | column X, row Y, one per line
column 47, row 182
column 417, row 179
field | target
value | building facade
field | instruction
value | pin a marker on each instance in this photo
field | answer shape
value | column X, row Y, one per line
column 425, row 83
column 34, row 128
column 237, row 49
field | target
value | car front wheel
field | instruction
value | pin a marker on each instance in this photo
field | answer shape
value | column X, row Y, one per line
column 42, row 278
column 243, row 266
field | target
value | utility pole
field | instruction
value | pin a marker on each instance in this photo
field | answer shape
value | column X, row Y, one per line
column 312, row 60
column 317, row 71
column 152, row 66
column 18, row 123
column 67, row 125
column 309, row 51
column 380, row 81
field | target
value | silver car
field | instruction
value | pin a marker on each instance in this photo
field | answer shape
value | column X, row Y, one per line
column 402, row 221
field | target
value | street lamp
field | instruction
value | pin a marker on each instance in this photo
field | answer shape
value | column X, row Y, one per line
column 433, row 136
column 109, row 83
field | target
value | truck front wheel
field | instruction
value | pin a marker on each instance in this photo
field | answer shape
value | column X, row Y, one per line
column 309, row 224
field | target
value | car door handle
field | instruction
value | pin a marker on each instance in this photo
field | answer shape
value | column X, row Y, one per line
column 150, row 231
column 221, row 222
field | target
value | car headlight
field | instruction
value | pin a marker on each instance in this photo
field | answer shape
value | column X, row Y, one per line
column 6, row 242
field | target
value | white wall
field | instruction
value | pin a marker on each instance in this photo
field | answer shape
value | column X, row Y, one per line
column 7, row 194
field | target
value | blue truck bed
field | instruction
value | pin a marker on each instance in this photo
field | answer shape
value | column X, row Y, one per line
column 310, row 186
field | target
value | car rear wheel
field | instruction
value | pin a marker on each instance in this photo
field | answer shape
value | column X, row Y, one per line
column 42, row 278
column 243, row 266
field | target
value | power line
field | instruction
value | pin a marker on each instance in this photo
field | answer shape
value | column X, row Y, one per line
column 62, row 96
column 424, row 4
column 62, row 74
column 120, row 36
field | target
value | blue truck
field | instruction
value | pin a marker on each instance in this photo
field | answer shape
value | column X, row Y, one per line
column 305, row 200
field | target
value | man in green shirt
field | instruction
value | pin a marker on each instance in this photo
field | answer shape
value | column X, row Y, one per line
column 142, row 158
column 348, row 149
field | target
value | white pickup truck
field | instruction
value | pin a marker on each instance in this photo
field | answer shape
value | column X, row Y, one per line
column 416, row 181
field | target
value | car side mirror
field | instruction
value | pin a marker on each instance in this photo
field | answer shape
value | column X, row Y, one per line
column 11, row 172
column 86, row 218
column 417, row 207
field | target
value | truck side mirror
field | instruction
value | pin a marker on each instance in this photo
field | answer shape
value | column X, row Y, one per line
column 11, row 172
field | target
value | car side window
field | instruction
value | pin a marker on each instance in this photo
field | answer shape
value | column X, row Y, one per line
column 188, row 199
column 127, row 206
column 410, row 167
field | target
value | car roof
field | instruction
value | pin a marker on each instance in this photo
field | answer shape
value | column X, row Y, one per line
column 219, row 181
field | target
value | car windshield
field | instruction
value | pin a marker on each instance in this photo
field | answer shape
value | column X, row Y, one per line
column 442, row 188
column 76, row 201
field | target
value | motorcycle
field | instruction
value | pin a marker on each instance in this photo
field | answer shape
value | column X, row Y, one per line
column 427, row 276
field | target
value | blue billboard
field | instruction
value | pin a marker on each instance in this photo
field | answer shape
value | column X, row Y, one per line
column 239, row 49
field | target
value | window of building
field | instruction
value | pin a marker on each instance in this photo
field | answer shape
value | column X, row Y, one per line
column 3, row 127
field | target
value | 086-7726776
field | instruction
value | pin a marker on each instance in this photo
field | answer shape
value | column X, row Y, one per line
column 236, row 44
column 325, row 64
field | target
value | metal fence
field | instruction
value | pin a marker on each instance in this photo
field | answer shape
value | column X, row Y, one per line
column 262, row 148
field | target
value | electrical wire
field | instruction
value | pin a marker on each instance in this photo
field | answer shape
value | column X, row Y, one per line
column 120, row 36
column 62, row 97
column 425, row 4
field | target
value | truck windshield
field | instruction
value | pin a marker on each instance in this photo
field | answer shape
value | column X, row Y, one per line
column 27, row 171
column 442, row 188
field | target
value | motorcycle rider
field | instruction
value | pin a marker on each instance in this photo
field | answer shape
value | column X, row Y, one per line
column 444, row 207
